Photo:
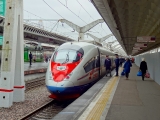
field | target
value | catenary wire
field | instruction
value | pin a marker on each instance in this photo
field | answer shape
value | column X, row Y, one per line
column 88, row 12
column 71, row 11
column 52, row 9
column 75, row 14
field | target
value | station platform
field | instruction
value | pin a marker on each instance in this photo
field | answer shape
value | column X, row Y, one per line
column 35, row 66
column 36, row 70
column 117, row 99
column 40, row 67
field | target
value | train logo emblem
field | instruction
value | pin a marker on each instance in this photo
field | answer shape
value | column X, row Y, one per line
column 61, row 68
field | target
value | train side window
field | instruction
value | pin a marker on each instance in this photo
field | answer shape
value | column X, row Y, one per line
column 103, row 60
column 89, row 65
column 97, row 61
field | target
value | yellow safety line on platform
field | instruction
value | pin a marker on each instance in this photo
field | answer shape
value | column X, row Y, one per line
column 96, row 112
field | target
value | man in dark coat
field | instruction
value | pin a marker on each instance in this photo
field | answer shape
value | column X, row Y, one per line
column 120, row 61
column 126, row 67
column 108, row 65
column 30, row 58
column 143, row 68
column 117, row 64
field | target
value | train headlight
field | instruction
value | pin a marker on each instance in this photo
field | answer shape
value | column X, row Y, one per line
column 68, row 76
column 50, row 75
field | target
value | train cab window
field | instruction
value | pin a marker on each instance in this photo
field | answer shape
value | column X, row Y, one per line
column 67, row 56
column 90, row 65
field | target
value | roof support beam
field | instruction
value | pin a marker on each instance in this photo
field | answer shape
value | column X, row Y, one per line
column 100, row 39
column 82, row 30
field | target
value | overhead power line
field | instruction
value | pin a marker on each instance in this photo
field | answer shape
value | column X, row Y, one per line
column 76, row 14
column 43, row 19
column 33, row 14
column 72, row 12
column 54, row 26
column 68, row 9
column 52, row 8
column 85, row 9
column 88, row 12
column 51, row 20
column 55, row 12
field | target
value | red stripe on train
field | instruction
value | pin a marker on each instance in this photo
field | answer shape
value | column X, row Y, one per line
column 83, row 76
column 95, row 70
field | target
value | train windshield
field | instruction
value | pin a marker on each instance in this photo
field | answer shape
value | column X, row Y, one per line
column 67, row 56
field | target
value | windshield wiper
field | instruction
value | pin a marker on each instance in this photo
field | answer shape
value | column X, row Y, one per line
column 67, row 59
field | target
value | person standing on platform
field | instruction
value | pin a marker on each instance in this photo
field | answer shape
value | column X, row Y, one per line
column 108, row 65
column 34, row 58
column 30, row 58
column 120, row 61
column 143, row 68
column 46, row 59
column 126, row 67
column 117, row 64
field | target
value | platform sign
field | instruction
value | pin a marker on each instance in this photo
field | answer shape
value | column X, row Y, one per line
column 137, row 48
column 153, row 39
column 146, row 39
column 134, row 52
column 140, row 45
column 2, row 13
column 2, row 7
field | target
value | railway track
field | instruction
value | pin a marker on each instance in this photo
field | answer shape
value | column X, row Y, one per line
column 34, row 83
column 47, row 111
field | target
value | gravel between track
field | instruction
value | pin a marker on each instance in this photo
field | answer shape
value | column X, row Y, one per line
column 33, row 99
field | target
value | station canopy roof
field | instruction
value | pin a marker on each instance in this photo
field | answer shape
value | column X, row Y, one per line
column 129, row 19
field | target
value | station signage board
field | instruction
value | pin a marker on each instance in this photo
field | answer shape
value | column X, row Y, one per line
column 1, row 40
column 134, row 50
column 133, row 53
column 140, row 45
column 137, row 48
column 2, row 7
column 146, row 39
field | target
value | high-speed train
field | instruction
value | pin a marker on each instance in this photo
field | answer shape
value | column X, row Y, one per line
column 75, row 67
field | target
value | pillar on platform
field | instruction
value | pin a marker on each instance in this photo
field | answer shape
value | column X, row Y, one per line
column 81, row 36
column 19, row 85
column 11, row 66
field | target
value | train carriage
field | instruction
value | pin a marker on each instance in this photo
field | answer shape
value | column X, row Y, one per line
column 74, row 67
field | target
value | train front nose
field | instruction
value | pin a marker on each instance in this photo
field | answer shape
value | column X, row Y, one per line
column 65, row 87
column 61, row 87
